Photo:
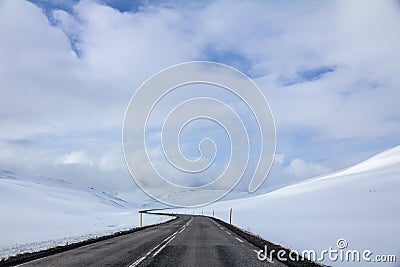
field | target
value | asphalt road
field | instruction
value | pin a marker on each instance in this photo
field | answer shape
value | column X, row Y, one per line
column 187, row 241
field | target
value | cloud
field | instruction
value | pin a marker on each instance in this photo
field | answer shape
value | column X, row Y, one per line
column 328, row 69
column 279, row 158
column 75, row 157
column 303, row 169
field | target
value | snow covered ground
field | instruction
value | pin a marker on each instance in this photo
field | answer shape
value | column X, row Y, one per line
column 359, row 204
column 38, row 213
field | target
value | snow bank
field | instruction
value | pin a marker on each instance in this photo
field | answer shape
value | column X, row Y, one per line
column 359, row 204
column 38, row 213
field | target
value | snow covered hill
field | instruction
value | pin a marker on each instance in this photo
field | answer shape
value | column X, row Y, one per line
column 37, row 213
column 359, row 204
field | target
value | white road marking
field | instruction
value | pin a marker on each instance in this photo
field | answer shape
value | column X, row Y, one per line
column 159, row 250
column 238, row 239
column 138, row 261
column 166, row 241
column 227, row 232
column 185, row 226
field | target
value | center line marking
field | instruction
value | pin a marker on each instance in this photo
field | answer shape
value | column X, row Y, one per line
column 138, row 261
column 166, row 240
column 158, row 251
column 238, row 239
column 227, row 232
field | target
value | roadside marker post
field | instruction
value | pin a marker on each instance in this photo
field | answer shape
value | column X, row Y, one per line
column 230, row 216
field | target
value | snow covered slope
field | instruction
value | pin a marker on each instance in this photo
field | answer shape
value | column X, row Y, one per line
column 359, row 204
column 37, row 213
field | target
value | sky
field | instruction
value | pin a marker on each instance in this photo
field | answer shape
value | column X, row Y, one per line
column 328, row 69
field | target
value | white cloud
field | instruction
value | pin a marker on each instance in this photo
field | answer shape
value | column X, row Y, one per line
column 279, row 158
column 75, row 157
column 303, row 169
column 59, row 102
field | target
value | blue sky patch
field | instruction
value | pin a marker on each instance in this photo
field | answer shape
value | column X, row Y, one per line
column 307, row 75
column 230, row 58
column 315, row 74
column 48, row 6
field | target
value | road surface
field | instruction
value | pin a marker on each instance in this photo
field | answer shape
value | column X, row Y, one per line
column 186, row 241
